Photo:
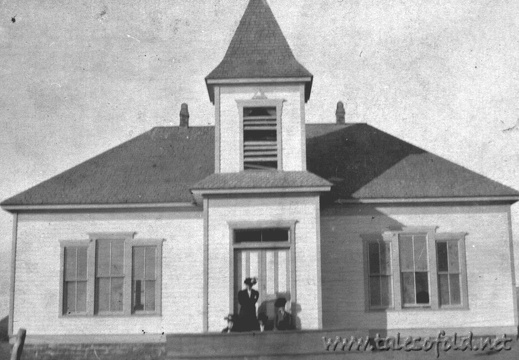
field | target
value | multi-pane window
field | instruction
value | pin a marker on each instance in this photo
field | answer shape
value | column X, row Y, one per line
column 75, row 279
column 449, row 274
column 260, row 138
column 143, row 278
column 111, row 274
column 414, row 269
column 379, row 267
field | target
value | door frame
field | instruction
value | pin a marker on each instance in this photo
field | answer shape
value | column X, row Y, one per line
column 291, row 246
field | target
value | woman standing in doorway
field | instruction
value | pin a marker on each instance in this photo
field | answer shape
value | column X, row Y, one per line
column 247, row 299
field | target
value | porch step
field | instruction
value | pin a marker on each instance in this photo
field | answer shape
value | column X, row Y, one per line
column 255, row 345
column 306, row 345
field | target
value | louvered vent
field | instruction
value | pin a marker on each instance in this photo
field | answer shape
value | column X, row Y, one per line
column 260, row 138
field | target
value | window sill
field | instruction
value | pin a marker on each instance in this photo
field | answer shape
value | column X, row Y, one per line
column 379, row 310
column 417, row 307
column 453, row 308
column 64, row 316
column 102, row 316
column 409, row 309
column 145, row 315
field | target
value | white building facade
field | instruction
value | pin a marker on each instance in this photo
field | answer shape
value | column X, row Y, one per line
column 356, row 229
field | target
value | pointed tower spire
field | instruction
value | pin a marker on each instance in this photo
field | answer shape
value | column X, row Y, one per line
column 259, row 50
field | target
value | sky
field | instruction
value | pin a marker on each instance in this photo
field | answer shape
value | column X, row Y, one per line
column 80, row 77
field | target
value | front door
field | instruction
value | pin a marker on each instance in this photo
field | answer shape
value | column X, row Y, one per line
column 271, row 267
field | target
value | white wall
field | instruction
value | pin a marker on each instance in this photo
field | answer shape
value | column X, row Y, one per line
column 302, row 209
column 357, row 51
column 38, row 271
column 489, row 267
column 291, row 120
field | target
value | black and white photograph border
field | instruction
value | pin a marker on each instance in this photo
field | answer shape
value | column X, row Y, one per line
column 319, row 179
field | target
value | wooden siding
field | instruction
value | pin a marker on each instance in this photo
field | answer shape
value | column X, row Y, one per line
column 302, row 210
column 291, row 126
column 491, row 293
column 38, row 271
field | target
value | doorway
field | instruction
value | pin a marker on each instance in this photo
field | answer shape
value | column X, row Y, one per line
column 272, row 269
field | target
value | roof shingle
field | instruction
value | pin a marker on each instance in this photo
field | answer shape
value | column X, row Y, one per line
column 158, row 166
column 163, row 164
column 259, row 50
column 366, row 163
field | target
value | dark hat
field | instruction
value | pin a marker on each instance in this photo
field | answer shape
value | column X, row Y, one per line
column 262, row 317
column 250, row 281
column 230, row 317
column 280, row 302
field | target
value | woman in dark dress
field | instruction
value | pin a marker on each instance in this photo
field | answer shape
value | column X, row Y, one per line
column 247, row 299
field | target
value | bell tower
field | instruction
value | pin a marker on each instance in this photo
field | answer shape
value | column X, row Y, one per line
column 259, row 91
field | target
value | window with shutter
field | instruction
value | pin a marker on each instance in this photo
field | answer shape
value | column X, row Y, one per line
column 260, row 138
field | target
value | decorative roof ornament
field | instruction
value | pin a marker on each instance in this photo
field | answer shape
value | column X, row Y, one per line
column 184, row 116
column 259, row 50
column 260, row 95
column 340, row 113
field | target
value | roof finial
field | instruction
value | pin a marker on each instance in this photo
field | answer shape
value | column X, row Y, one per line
column 340, row 113
column 184, row 116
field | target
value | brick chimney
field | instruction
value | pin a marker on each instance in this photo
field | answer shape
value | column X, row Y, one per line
column 340, row 113
column 184, row 116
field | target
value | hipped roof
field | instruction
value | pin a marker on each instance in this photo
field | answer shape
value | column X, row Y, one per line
column 364, row 162
column 158, row 166
column 163, row 164
column 259, row 50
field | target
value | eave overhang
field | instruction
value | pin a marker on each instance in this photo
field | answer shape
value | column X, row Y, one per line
column 198, row 192
column 481, row 199
column 307, row 81
column 98, row 207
